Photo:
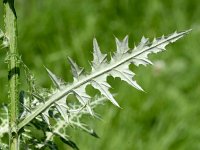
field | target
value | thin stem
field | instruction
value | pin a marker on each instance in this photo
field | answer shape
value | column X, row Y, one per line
column 10, row 21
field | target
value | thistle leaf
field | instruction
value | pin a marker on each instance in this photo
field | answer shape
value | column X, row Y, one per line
column 101, row 69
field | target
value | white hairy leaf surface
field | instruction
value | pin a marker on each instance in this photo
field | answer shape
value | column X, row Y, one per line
column 101, row 69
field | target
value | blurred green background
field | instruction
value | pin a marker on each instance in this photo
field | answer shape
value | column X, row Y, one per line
column 167, row 116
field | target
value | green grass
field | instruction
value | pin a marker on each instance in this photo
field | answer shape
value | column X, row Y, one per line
column 166, row 117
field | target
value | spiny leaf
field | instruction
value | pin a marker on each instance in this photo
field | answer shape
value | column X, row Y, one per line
column 117, row 67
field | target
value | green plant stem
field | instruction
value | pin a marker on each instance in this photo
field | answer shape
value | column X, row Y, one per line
column 10, row 21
